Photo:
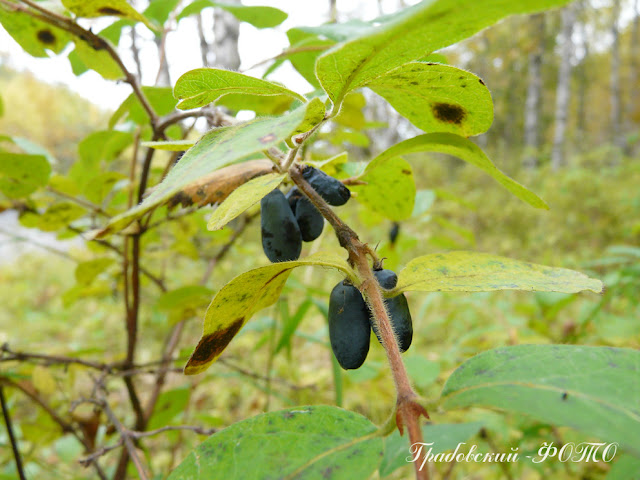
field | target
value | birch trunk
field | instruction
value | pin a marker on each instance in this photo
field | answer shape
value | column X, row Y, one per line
column 226, row 29
column 562, row 89
column 534, row 93
column 614, row 87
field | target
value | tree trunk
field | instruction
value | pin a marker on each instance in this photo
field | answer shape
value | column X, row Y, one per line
column 614, row 87
column 164, row 78
column 562, row 89
column 583, row 80
column 632, row 108
column 205, row 48
column 135, row 51
column 226, row 29
column 534, row 93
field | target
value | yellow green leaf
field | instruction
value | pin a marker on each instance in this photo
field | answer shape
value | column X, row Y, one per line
column 242, row 198
column 482, row 272
column 389, row 188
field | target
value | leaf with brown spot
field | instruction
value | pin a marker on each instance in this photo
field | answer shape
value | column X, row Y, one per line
column 246, row 294
column 432, row 97
column 100, row 8
column 34, row 36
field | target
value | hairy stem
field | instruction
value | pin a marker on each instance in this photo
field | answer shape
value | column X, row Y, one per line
column 407, row 408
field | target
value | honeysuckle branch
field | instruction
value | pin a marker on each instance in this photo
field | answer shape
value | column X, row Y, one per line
column 408, row 409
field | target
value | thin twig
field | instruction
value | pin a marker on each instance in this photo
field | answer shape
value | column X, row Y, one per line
column 80, row 201
column 12, row 438
column 65, row 426
column 124, row 435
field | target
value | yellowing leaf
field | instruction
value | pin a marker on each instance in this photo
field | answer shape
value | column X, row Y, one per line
column 105, row 8
column 43, row 380
column 201, row 86
column 437, row 98
column 389, row 188
column 481, row 272
column 239, row 299
column 243, row 198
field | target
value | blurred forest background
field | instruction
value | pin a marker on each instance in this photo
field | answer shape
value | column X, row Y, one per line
column 566, row 89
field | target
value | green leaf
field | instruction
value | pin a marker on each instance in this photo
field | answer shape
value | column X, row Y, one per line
column 56, row 217
column 314, row 114
column 184, row 298
column 105, row 8
column 411, row 35
column 262, row 105
column 624, row 468
column 481, row 272
column 389, row 188
column 300, row 442
column 351, row 114
column 170, row 404
column 592, row 389
column 21, row 175
column 468, row 151
column 239, row 299
column 201, row 86
column 171, row 146
column 99, row 186
column 86, row 272
column 216, row 149
column 309, row 48
column 437, row 98
column 159, row 10
column 103, row 145
column 443, row 436
column 160, row 98
column 98, row 60
column 242, row 198
column 422, row 372
column 33, row 35
column 291, row 325
column 258, row 16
